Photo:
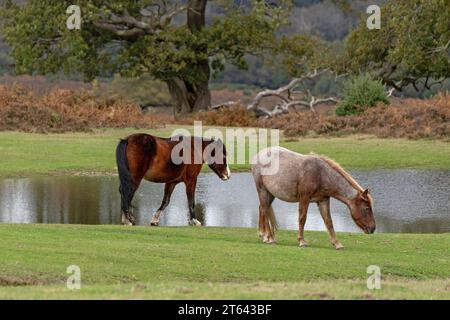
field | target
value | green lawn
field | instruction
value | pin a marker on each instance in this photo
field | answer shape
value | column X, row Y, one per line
column 199, row 263
column 25, row 154
column 187, row 262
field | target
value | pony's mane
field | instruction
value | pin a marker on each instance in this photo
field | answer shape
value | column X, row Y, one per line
column 336, row 166
column 181, row 136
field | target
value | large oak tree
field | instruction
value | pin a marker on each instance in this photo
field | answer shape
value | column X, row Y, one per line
column 135, row 37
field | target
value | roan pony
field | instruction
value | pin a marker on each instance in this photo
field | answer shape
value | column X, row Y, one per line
column 142, row 156
column 305, row 179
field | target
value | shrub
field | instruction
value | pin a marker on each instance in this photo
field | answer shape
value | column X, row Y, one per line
column 361, row 93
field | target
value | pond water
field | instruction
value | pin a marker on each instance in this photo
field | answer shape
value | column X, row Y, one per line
column 413, row 201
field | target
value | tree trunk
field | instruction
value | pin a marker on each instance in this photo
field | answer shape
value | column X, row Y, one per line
column 187, row 97
column 191, row 97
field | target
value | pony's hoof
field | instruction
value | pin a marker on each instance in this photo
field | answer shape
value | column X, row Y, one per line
column 194, row 222
column 126, row 221
column 131, row 219
column 339, row 246
column 154, row 222
column 303, row 244
column 269, row 240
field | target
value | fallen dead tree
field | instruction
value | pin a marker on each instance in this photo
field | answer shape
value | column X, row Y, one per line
column 291, row 96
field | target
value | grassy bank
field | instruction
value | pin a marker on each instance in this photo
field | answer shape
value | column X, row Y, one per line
column 24, row 153
column 143, row 262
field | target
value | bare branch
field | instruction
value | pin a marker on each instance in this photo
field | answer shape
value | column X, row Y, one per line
column 167, row 18
column 132, row 21
column 117, row 31
column 280, row 91
column 439, row 49
column 127, row 26
column 311, row 103
column 390, row 92
column 224, row 105
column 286, row 96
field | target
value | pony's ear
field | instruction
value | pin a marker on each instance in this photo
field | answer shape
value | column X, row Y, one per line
column 365, row 194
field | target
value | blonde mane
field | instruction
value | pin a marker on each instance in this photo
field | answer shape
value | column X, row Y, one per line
column 333, row 164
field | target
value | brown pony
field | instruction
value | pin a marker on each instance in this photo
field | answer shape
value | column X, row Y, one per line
column 305, row 179
column 166, row 160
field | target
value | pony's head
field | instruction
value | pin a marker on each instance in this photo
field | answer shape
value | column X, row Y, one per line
column 361, row 210
column 215, row 155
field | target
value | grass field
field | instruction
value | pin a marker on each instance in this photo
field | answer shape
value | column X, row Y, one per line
column 26, row 154
column 183, row 262
column 211, row 263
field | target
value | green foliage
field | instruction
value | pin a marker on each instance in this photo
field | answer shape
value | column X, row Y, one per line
column 302, row 53
column 409, row 48
column 361, row 93
column 41, row 42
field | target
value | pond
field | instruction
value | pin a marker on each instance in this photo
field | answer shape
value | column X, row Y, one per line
column 412, row 201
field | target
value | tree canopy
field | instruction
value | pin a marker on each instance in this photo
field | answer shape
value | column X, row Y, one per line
column 184, row 42
column 139, row 37
column 411, row 48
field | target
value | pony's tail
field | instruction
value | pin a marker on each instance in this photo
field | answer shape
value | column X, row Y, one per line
column 126, row 188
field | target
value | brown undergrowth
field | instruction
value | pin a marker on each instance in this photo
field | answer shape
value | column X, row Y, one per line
column 405, row 118
column 63, row 110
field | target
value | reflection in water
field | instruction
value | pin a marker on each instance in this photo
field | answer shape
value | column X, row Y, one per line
column 405, row 201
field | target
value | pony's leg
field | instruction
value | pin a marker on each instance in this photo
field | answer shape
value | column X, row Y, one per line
column 265, row 210
column 303, row 210
column 261, row 224
column 324, row 208
column 127, row 217
column 190, row 192
column 270, row 226
column 168, row 189
column 126, row 220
